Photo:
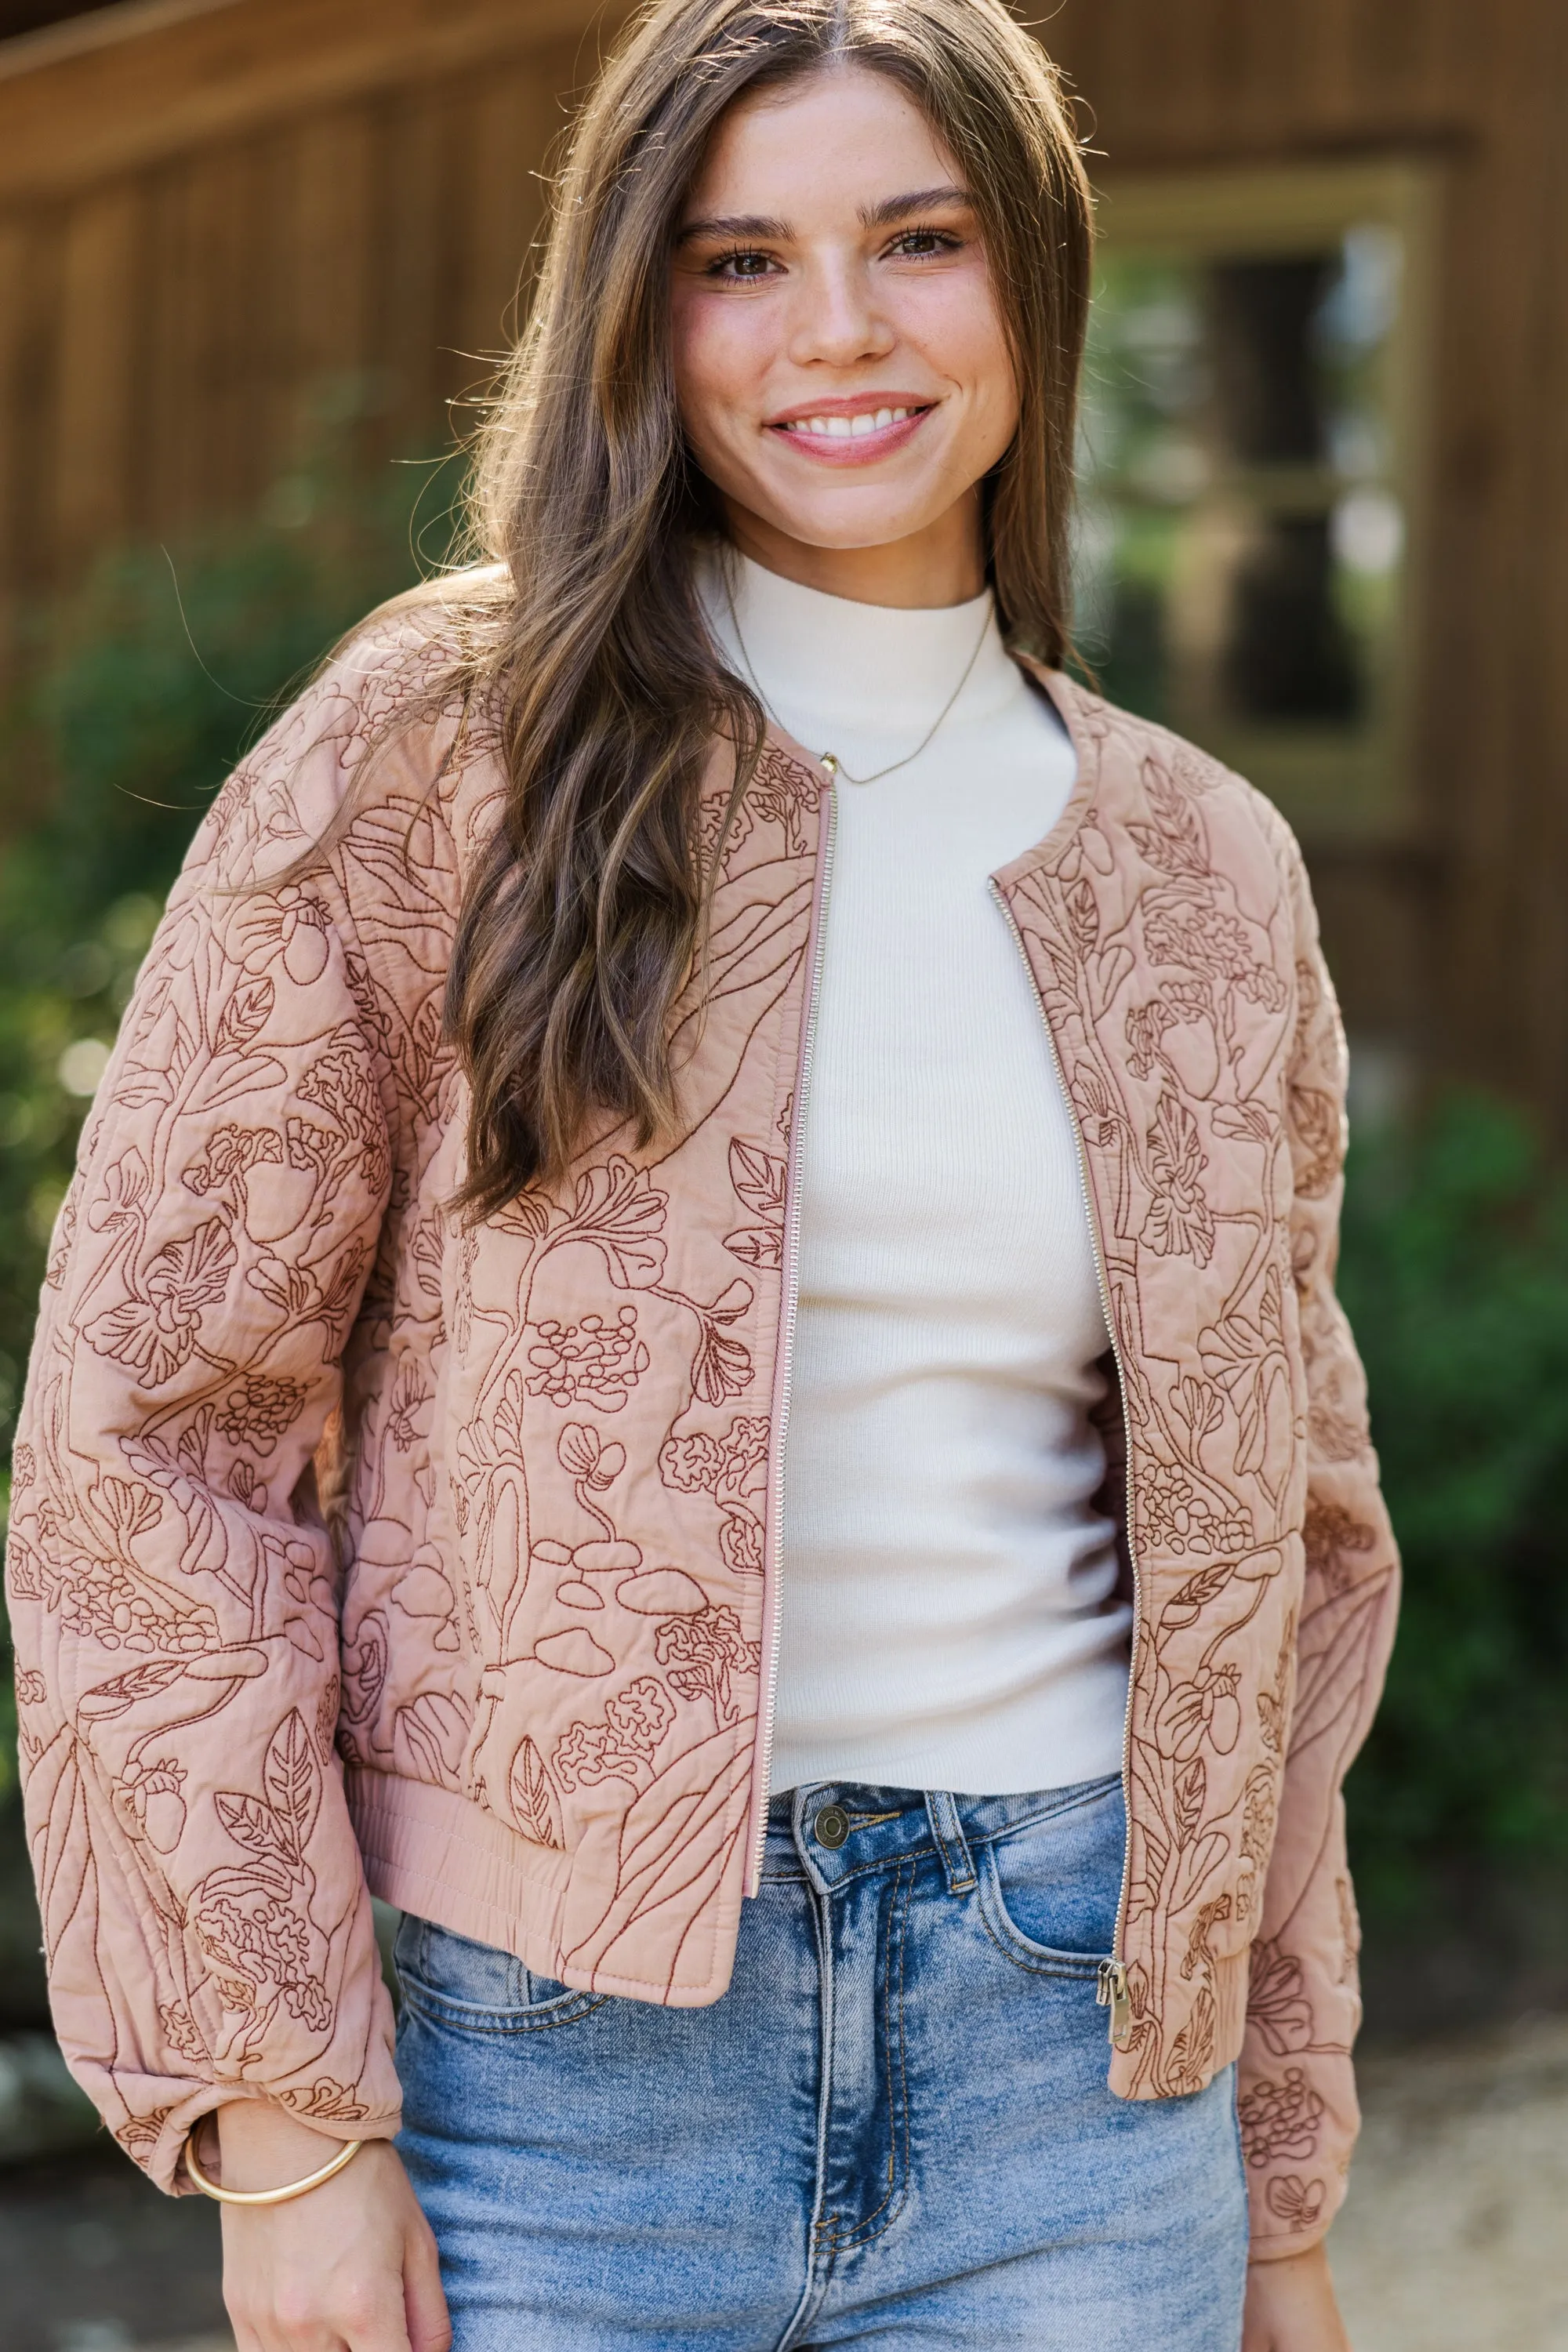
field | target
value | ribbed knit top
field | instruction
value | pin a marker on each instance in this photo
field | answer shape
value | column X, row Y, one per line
column 949, row 1618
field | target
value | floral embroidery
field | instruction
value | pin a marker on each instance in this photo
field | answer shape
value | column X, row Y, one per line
column 154, row 1331
column 1332, row 1538
column 1298, row 2203
column 622, row 1747
column 1276, row 2003
column 1207, row 1071
column 591, row 1363
column 1280, row 2120
column 259, row 1410
column 758, row 1178
column 703, row 1654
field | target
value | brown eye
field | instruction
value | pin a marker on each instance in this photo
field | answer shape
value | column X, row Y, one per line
column 924, row 244
column 742, row 269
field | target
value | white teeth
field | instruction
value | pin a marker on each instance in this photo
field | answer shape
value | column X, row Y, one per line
column 843, row 428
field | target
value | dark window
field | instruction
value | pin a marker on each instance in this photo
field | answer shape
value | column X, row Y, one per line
column 1269, row 397
column 1288, row 655
column 1242, row 520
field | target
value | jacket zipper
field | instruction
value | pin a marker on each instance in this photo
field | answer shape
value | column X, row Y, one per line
column 790, row 1279
column 1112, row 1992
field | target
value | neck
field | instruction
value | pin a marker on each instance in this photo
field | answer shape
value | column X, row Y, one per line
column 944, row 563
column 864, row 681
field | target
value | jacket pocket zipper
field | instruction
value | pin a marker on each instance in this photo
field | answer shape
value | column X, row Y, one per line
column 1112, row 1994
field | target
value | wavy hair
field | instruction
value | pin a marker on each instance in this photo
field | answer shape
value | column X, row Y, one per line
column 585, row 643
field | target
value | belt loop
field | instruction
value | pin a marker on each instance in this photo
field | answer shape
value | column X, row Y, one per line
column 942, row 1812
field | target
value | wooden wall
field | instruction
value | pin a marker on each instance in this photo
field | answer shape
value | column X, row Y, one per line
column 214, row 214
column 211, row 208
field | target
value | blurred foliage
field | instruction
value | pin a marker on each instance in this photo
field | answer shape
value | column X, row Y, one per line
column 1456, row 1249
column 1455, row 1275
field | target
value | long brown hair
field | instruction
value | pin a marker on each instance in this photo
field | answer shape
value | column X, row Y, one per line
column 581, row 921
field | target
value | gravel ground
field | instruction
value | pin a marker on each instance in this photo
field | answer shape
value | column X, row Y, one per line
column 1454, row 2238
column 1455, row 2235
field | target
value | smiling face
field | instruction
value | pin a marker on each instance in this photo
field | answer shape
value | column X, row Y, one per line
column 841, row 362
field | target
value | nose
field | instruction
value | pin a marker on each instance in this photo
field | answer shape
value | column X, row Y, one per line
column 838, row 321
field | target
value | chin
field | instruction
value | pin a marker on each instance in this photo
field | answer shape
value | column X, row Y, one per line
column 848, row 522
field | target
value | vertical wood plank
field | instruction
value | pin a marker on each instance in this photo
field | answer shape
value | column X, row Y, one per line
column 323, row 284
column 169, row 403
column 20, row 355
column 415, row 137
column 507, row 126
column 1504, row 978
column 93, row 457
column 33, row 403
column 14, row 275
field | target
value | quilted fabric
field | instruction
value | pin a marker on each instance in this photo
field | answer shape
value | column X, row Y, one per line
column 352, row 1549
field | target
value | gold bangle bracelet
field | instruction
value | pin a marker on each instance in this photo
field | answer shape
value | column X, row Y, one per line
column 346, row 2154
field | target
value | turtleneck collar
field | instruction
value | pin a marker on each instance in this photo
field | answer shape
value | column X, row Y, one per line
column 833, row 672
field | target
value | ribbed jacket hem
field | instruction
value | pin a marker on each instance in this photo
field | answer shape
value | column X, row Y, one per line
column 429, row 1851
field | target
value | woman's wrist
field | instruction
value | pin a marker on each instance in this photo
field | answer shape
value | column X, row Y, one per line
column 264, row 2145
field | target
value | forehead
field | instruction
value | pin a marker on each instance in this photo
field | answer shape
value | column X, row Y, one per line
column 817, row 148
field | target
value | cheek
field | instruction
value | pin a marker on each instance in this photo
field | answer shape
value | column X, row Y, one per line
column 718, row 362
column 960, row 333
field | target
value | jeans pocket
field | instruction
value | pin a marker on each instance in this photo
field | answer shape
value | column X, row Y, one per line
column 1049, row 1891
column 478, row 1986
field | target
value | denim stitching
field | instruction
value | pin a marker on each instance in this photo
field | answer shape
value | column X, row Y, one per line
column 1040, row 1961
column 842, row 1877
column 822, row 2242
column 1069, row 1968
column 1095, row 1794
column 957, row 1861
column 863, row 2234
column 439, row 2011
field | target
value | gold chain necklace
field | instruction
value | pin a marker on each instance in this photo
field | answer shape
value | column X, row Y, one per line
column 830, row 760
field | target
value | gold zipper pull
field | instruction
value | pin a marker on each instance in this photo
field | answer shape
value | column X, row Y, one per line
column 1113, row 1995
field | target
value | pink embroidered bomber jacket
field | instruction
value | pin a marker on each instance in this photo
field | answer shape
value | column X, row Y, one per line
column 352, row 1550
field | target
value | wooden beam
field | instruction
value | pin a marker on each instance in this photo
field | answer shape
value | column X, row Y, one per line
column 24, row 53
column 134, row 85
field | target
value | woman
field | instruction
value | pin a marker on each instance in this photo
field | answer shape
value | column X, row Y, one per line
column 695, row 1339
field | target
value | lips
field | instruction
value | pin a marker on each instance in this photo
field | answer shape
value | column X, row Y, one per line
column 852, row 431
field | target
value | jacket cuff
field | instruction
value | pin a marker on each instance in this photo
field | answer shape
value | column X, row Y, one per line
column 1278, row 2246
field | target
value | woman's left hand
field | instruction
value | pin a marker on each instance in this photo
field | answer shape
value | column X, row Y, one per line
column 1291, row 2306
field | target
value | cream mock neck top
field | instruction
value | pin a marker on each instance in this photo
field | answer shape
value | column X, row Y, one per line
column 949, row 1609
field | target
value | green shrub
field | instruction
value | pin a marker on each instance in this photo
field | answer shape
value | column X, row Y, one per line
column 1455, row 1275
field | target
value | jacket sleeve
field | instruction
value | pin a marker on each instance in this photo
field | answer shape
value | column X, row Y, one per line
column 1297, row 2104
column 206, row 1924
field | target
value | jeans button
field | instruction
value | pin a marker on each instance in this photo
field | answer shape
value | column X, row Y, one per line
column 831, row 1827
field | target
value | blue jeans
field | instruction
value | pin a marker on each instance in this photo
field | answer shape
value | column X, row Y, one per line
column 892, row 2130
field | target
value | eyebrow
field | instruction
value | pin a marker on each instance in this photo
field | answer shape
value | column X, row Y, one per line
column 738, row 226
column 923, row 200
